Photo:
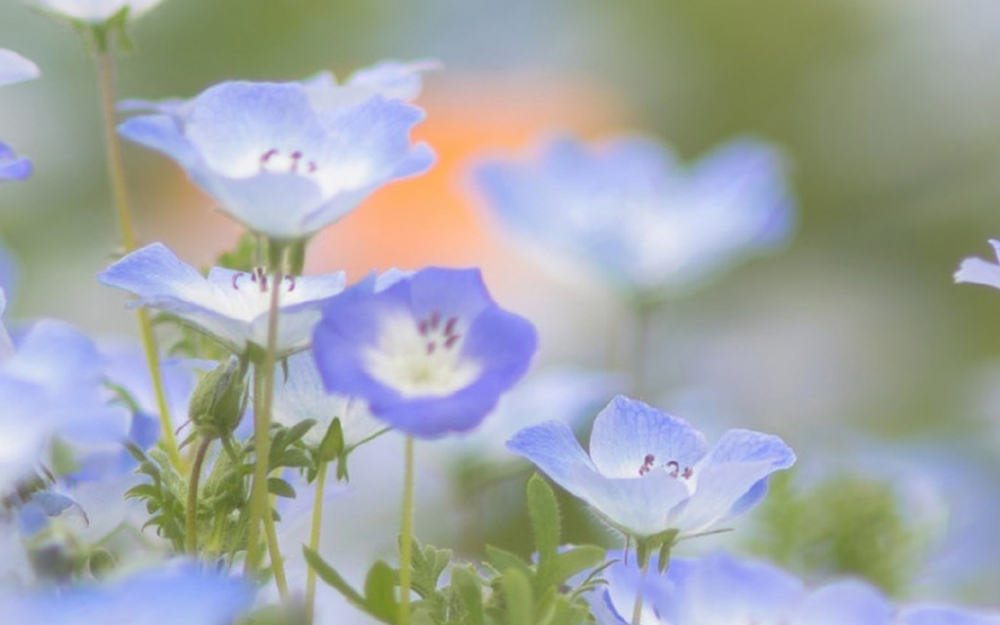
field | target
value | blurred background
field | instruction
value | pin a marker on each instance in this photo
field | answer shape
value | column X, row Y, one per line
column 852, row 342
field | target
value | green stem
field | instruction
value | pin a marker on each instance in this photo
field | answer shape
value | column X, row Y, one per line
column 260, row 506
column 637, row 606
column 406, row 536
column 119, row 191
column 191, row 533
column 317, row 521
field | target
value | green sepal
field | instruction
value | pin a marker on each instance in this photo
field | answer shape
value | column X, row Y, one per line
column 219, row 401
column 332, row 445
column 244, row 256
column 279, row 487
column 664, row 541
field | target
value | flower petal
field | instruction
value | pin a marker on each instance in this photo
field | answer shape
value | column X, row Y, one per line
column 979, row 271
column 846, row 603
column 15, row 68
column 723, row 590
column 626, row 432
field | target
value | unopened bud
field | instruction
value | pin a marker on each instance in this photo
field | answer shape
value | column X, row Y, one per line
column 219, row 400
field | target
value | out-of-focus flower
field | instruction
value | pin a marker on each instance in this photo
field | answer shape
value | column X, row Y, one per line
column 628, row 208
column 299, row 395
column 176, row 594
column 649, row 472
column 14, row 68
column 96, row 11
column 431, row 353
column 287, row 159
column 719, row 590
column 51, row 384
column 229, row 306
column 944, row 615
column 978, row 271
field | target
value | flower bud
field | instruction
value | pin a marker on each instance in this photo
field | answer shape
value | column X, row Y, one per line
column 219, row 400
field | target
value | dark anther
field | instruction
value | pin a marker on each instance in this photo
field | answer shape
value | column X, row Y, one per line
column 296, row 155
column 431, row 345
column 237, row 276
column 687, row 473
column 450, row 326
column 422, row 327
column 266, row 156
column 312, row 167
column 435, row 320
column 450, row 341
column 647, row 464
column 291, row 283
column 675, row 468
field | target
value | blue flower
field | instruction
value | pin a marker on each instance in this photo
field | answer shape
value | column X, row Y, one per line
column 628, row 208
column 96, row 11
column 945, row 615
column 229, row 306
column 175, row 594
column 978, row 271
column 51, row 384
column 300, row 395
column 14, row 68
column 287, row 159
column 649, row 472
column 718, row 590
column 431, row 353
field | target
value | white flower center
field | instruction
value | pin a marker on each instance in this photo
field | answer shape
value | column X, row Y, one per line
column 251, row 294
column 421, row 359
column 293, row 162
column 673, row 468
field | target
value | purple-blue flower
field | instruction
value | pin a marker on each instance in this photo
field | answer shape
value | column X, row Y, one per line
column 978, row 271
column 287, row 159
column 229, row 306
column 649, row 472
column 169, row 595
column 14, row 68
column 628, row 208
column 719, row 590
column 431, row 353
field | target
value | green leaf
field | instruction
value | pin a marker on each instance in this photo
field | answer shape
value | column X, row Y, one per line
column 380, row 592
column 575, row 560
column 468, row 589
column 518, row 597
column 428, row 564
column 329, row 575
column 279, row 487
column 544, row 512
column 502, row 560
column 333, row 442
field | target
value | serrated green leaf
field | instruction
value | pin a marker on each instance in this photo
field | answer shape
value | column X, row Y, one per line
column 576, row 560
column 468, row 589
column 279, row 487
column 502, row 560
column 300, row 429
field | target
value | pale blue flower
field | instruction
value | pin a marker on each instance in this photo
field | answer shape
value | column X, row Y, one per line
column 229, row 306
column 649, row 472
column 299, row 394
column 628, row 208
column 431, row 353
column 51, row 384
column 978, row 271
column 945, row 615
column 14, row 68
column 168, row 596
column 96, row 12
column 719, row 590
column 287, row 159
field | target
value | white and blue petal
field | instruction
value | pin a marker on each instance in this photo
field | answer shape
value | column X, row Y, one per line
column 15, row 68
column 721, row 590
column 96, row 11
column 978, row 271
column 945, row 615
column 229, row 306
column 845, row 603
column 430, row 353
column 12, row 166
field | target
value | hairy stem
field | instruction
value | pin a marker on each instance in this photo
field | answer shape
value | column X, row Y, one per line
column 191, row 533
column 406, row 536
column 260, row 505
column 317, row 521
column 119, row 191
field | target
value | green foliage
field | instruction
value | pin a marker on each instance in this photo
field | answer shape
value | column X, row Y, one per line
column 246, row 255
column 846, row 525
column 507, row 590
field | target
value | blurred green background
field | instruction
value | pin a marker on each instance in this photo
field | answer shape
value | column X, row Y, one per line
column 852, row 343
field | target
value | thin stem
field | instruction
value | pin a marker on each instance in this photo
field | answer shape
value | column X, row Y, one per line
column 317, row 522
column 637, row 606
column 260, row 506
column 191, row 533
column 406, row 536
column 119, row 191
